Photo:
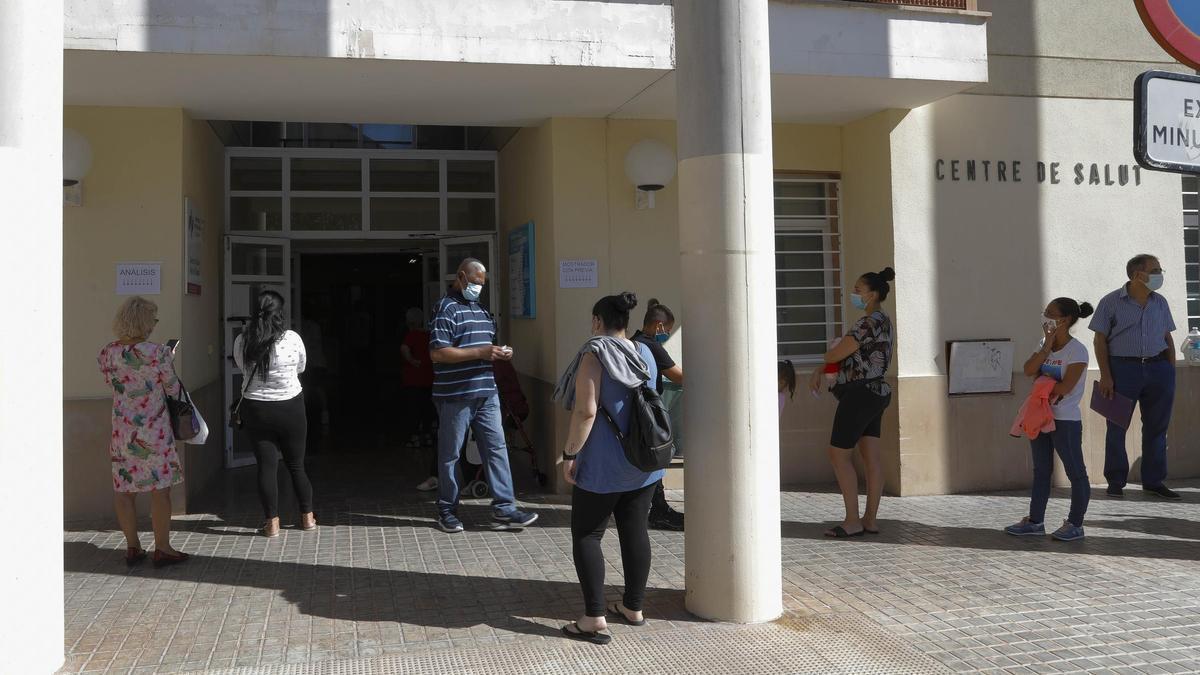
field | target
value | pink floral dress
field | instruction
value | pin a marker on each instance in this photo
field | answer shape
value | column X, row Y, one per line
column 142, row 449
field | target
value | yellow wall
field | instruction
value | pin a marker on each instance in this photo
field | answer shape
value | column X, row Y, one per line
column 204, row 185
column 132, row 212
column 583, row 207
column 145, row 161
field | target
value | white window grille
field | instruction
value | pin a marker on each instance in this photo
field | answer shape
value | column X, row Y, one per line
column 1191, row 247
column 808, row 265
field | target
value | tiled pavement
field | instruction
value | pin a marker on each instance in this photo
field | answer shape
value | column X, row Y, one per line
column 376, row 589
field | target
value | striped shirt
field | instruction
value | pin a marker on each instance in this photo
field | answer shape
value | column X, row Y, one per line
column 463, row 324
column 1133, row 330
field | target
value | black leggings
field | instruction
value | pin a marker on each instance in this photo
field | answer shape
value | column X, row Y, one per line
column 275, row 428
column 589, row 519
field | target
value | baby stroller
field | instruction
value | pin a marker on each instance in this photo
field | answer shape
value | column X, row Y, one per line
column 514, row 410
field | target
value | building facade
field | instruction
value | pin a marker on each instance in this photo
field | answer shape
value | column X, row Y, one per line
column 983, row 151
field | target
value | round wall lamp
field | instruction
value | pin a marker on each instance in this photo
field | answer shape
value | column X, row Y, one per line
column 650, row 166
column 77, row 157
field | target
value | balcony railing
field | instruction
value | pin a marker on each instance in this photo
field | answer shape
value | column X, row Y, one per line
column 970, row 5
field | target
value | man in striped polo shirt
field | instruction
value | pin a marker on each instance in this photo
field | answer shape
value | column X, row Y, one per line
column 462, row 346
column 1136, row 355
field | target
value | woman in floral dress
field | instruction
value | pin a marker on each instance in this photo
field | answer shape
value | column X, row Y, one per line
column 142, row 449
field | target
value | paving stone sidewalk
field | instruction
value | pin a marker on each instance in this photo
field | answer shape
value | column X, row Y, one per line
column 377, row 589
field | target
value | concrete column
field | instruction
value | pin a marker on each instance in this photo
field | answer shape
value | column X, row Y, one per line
column 727, row 242
column 31, row 480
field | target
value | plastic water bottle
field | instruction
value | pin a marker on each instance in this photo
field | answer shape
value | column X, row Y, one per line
column 1191, row 347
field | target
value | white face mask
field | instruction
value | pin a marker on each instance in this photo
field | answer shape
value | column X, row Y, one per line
column 472, row 291
column 1048, row 323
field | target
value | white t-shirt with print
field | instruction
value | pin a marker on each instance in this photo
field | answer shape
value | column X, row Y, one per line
column 282, row 382
column 1055, row 366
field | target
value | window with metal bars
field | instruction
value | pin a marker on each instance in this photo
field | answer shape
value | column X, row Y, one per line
column 1191, row 247
column 808, row 265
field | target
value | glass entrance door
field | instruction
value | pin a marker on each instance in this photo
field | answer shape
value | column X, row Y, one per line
column 452, row 251
column 252, row 265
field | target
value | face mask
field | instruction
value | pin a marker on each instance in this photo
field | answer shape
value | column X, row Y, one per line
column 1155, row 282
column 661, row 336
column 858, row 301
column 1048, row 323
column 471, row 291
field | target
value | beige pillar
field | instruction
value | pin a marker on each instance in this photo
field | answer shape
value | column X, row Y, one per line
column 31, row 480
column 727, row 240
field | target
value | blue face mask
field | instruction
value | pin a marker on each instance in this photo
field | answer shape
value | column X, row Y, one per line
column 858, row 301
column 472, row 291
column 661, row 336
column 1154, row 282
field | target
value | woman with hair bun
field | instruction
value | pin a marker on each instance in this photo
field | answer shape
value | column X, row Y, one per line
column 1065, row 359
column 599, row 382
column 863, row 355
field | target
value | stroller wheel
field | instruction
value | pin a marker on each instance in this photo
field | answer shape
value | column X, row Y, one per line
column 479, row 489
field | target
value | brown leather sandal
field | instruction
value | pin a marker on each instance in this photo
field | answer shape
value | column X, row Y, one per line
column 134, row 555
column 161, row 559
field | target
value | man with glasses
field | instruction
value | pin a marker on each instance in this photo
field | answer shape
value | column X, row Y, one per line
column 1136, row 354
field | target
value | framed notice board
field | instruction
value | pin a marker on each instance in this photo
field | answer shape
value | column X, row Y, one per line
column 522, row 301
column 979, row 366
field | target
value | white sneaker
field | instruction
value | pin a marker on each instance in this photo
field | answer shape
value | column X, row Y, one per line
column 429, row 485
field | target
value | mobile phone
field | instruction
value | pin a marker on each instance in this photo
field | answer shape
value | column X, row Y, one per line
column 172, row 344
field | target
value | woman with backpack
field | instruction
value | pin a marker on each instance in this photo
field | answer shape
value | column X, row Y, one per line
column 599, row 388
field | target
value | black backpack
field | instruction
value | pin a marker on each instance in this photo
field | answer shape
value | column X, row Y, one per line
column 649, row 445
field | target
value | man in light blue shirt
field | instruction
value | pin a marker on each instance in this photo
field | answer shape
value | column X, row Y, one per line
column 1136, row 354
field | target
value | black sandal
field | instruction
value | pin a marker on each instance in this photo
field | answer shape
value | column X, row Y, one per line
column 594, row 637
column 839, row 532
column 615, row 610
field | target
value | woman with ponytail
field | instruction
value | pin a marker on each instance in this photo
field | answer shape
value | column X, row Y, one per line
column 1065, row 359
column 271, row 358
column 863, row 356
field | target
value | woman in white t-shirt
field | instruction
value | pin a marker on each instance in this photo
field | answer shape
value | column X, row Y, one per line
column 1065, row 359
column 271, row 358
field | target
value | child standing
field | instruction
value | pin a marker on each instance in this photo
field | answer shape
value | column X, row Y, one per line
column 1065, row 359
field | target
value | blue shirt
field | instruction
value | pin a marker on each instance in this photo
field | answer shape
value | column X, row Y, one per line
column 602, row 466
column 1133, row 330
column 464, row 324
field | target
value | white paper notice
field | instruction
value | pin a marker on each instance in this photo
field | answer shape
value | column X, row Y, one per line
column 139, row 278
column 578, row 274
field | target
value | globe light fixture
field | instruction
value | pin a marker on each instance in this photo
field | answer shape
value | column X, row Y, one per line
column 77, row 157
column 650, row 166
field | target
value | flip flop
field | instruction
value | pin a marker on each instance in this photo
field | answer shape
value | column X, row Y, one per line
column 839, row 532
column 615, row 610
column 594, row 637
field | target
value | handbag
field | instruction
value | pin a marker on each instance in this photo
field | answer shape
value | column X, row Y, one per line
column 235, row 416
column 185, row 420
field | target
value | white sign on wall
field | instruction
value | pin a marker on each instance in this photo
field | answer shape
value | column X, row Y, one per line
column 578, row 274
column 193, row 238
column 1167, row 121
column 139, row 278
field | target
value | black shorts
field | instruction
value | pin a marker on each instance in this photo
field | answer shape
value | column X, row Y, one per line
column 859, row 413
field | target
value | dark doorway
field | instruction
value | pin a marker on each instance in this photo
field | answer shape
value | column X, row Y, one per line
column 352, row 310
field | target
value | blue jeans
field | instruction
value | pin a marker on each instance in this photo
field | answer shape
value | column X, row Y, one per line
column 482, row 415
column 1152, row 385
column 1067, row 440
